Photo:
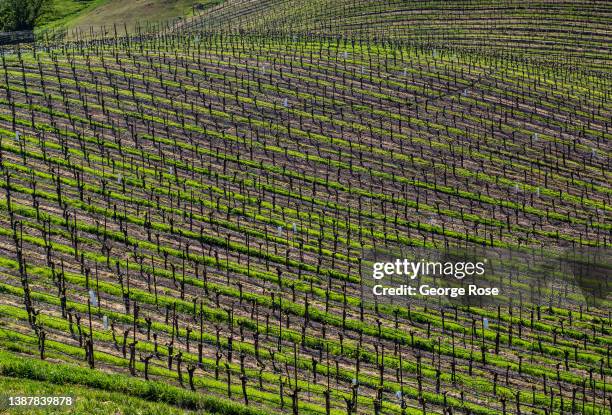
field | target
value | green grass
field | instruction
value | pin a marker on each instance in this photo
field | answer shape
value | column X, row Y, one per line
column 87, row 400
column 62, row 12
column 102, row 15
column 14, row 366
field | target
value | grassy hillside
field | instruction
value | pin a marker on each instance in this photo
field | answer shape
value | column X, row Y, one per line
column 94, row 401
column 95, row 393
column 577, row 31
column 100, row 16
column 62, row 12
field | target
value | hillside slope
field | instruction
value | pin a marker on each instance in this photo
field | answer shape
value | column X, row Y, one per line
column 101, row 16
column 218, row 194
column 574, row 31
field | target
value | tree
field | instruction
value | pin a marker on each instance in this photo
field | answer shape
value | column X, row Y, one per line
column 20, row 14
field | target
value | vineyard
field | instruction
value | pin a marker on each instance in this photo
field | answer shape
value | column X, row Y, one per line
column 571, row 32
column 188, row 219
